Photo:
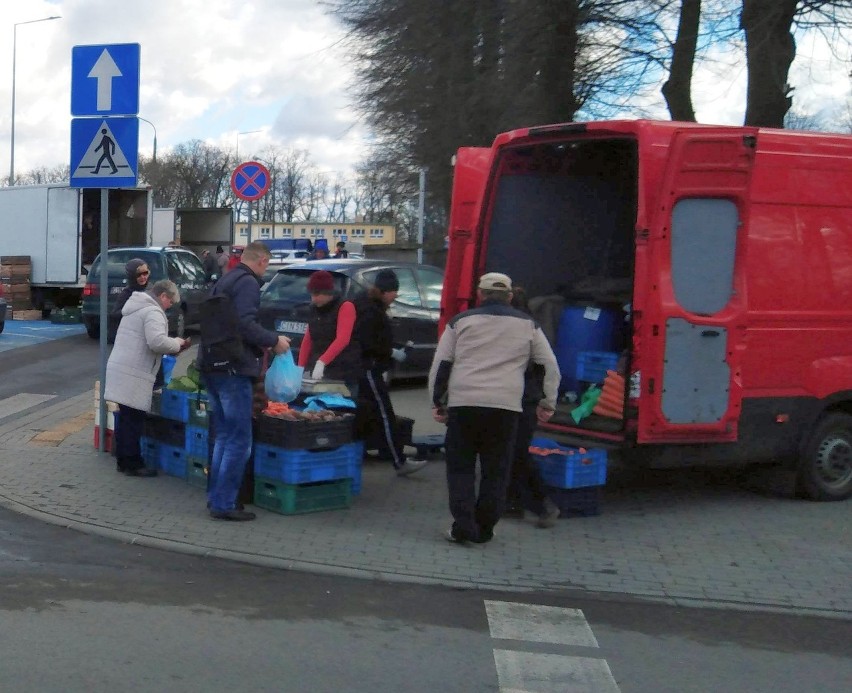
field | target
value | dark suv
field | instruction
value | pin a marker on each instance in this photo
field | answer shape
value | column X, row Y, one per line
column 285, row 303
column 177, row 264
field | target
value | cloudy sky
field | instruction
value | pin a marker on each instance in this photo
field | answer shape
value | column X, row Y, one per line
column 215, row 68
column 210, row 69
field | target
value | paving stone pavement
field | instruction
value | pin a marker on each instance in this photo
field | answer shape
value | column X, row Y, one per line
column 705, row 546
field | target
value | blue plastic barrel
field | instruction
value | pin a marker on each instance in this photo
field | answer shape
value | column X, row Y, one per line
column 584, row 328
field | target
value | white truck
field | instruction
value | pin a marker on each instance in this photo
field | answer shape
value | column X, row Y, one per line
column 58, row 227
column 197, row 228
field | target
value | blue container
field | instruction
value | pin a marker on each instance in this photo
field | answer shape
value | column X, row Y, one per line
column 307, row 466
column 574, row 469
column 583, row 328
column 169, row 362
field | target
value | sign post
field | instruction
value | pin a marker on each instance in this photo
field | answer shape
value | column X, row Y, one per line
column 104, row 148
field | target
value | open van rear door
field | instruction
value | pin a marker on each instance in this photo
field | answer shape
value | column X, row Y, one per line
column 472, row 165
column 693, row 329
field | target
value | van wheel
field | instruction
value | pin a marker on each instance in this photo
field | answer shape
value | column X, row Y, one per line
column 93, row 329
column 825, row 469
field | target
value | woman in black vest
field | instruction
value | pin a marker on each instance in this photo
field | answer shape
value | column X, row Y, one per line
column 328, row 349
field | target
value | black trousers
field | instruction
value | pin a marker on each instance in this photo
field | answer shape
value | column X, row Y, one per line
column 128, row 431
column 490, row 434
column 377, row 413
column 526, row 487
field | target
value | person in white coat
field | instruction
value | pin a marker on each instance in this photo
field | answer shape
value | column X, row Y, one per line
column 141, row 341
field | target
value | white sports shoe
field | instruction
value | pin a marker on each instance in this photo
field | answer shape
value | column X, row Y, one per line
column 410, row 466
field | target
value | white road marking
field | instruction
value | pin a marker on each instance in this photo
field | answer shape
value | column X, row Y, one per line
column 531, row 672
column 18, row 403
column 525, row 672
column 538, row 623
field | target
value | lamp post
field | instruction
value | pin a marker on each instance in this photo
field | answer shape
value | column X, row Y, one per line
column 247, row 132
column 251, row 206
column 155, row 136
column 14, row 60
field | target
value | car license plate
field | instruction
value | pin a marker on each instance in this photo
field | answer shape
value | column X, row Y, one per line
column 291, row 326
column 116, row 289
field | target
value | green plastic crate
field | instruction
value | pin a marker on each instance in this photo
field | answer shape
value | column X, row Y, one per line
column 196, row 472
column 295, row 499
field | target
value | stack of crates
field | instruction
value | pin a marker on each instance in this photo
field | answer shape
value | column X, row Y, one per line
column 574, row 476
column 306, row 466
column 175, row 439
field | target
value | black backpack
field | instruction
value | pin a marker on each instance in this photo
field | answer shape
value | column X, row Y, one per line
column 222, row 349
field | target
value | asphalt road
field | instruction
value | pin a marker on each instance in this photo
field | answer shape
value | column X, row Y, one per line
column 81, row 613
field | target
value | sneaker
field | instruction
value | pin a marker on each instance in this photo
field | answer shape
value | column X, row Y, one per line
column 548, row 518
column 452, row 538
column 233, row 515
column 410, row 466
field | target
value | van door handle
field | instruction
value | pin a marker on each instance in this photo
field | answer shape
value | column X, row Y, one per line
column 710, row 333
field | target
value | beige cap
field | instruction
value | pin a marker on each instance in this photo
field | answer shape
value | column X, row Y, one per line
column 494, row 281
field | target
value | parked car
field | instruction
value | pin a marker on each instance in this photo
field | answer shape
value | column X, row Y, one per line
column 285, row 257
column 285, row 304
column 3, row 307
column 180, row 265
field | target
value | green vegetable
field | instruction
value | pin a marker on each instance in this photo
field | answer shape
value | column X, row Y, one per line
column 184, row 384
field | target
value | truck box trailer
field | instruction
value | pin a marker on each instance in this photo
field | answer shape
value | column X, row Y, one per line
column 197, row 228
column 58, row 227
column 720, row 261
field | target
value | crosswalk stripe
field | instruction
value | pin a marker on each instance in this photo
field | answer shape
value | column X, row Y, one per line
column 21, row 402
column 526, row 672
column 539, row 623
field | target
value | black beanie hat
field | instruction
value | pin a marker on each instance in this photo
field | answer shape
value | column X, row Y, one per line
column 132, row 267
column 386, row 280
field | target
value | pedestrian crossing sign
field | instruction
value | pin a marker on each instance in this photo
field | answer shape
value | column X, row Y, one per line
column 104, row 152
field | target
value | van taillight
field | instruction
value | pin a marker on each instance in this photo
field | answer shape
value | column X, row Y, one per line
column 91, row 290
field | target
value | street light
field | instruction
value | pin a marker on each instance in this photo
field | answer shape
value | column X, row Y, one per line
column 155, row 136
column 247, row 132
column 14, row 59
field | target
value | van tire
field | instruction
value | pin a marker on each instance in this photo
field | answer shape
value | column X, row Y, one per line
column 92, row 329
column 825, row 467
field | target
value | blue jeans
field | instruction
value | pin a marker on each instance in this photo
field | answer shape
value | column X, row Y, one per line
column 231, row 409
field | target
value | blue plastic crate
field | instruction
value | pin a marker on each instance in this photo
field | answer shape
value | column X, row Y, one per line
column 593, row 365
column 173, row 461
column 177, row 404
column 572, row 502
column 196, row 471
column 307, row 466
column 195, row 442
column 572, row 470
column 150, row 449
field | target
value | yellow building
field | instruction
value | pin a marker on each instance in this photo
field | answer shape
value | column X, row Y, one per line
column 361, row 232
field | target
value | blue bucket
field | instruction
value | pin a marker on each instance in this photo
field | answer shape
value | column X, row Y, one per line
column 169, row 362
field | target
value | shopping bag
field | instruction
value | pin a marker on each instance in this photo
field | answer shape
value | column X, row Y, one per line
column 283, row 380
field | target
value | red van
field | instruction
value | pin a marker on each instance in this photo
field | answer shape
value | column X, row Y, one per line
column 723, row 256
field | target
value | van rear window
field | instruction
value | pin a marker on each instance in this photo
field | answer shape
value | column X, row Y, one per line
column 119, row 258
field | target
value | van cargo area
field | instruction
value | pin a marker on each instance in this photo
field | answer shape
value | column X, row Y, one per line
column 562, row 226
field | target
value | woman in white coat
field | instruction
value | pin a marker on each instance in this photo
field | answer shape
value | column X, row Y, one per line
column 141, row 341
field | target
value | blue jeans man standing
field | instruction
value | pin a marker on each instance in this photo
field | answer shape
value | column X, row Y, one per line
column 231, row 407
column 232, row 345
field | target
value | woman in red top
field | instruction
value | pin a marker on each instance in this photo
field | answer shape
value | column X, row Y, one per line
column 328, row 349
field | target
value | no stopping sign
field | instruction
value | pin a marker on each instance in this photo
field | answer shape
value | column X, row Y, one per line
column 250, row 181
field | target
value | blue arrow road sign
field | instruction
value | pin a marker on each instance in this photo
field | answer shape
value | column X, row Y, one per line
column 105, row 80
column 104, row 152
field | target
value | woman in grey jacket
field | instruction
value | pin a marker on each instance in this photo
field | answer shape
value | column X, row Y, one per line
column 141, row 340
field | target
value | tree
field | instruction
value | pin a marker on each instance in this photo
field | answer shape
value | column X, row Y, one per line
column 677, row 91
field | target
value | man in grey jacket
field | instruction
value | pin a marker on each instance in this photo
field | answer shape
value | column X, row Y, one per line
column 476, row 383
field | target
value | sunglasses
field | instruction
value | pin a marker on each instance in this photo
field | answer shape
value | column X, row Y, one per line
column 143, row 274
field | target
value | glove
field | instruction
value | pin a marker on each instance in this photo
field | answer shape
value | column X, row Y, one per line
column 398, row 355
column 319, row 371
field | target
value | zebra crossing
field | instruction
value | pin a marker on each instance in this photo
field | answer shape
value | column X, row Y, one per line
column 520, row 670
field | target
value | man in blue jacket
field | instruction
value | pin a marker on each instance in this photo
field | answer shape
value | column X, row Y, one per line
column 230, row 383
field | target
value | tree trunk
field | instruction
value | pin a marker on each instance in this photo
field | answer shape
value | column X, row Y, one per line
column 677, row 91
column 770, row 50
